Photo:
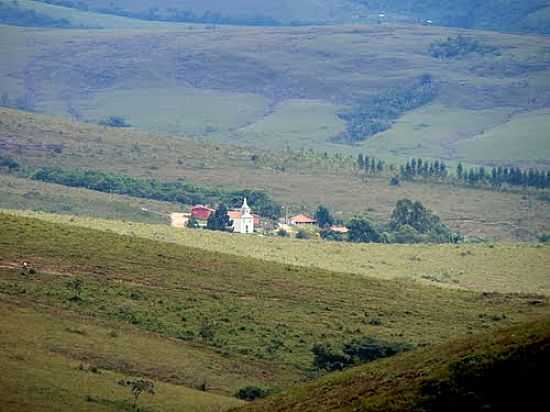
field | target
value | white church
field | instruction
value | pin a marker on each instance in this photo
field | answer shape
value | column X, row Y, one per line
column 243, row 219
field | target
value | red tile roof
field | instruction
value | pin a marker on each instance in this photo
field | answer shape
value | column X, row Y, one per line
column 302, row 219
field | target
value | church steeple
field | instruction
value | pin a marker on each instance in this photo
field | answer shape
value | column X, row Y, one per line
column 245, row 210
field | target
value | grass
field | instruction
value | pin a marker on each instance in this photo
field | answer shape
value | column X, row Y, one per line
column 272, row 86
column 499, row 371
column 303, row 185
column 66, row 362
column 89, row 19
column 504, row 268
column 253, row 310
column 524, row 137
column 17, row 193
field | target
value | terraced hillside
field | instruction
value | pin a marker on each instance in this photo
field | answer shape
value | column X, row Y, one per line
column 273, row 87
column 301, row 183
column 217, row 322
column 498, row 371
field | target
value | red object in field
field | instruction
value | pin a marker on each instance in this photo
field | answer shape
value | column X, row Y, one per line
column 201, row 212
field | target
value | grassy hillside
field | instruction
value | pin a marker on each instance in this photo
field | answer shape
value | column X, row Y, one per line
column 299, row 182
column 17, row 193
column 498, row 371
column 75, row 18
column 264, row 316
column 273, row 87
column 271, row 12
column 504, row 268
column 503, row 15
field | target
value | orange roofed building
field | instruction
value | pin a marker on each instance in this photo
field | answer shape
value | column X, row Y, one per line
column 302, row 220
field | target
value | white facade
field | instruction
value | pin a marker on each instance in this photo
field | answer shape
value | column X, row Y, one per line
column 244, row 223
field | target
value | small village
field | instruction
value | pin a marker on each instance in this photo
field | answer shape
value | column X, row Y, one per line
column 244, row 221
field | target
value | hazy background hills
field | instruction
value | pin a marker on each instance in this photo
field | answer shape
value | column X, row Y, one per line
column 504, row 15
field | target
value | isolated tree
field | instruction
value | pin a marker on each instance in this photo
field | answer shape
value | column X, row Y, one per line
column 323, row 217
column 459, row 170
column 219, row 220
column 137, row 387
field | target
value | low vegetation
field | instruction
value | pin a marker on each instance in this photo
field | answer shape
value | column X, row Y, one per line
column 458, row 47
column 502, row 370
column 11, row 13
column 378, row 113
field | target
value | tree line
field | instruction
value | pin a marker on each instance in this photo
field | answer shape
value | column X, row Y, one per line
column 176, row 191
column 495, row 177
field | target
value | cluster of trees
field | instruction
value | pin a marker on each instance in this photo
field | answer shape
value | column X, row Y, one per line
column 12, row 13
column 6, row 162
column 494, row 177
column 357, row 351
column 423, row 168
column 498, row 176
column 369, row 164
column 115, row 121
column 410, row 222
column 378, row 113
column 458, row 47
column 178, row 191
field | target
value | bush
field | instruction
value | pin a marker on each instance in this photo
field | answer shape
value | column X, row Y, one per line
column 328, row 234
column 328, row 358
column 302, row 234
column 458, row 47
column 363, row 230
column 282, row 233
column 544, row 238
column 250, row 393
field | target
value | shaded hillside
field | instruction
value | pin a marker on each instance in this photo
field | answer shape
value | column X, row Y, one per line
column 503, row 15
column 501, row 371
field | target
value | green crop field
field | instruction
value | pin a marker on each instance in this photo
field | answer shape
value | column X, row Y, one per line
column 217, row 319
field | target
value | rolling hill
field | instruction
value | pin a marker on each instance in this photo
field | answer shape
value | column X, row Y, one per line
column 298, row 181
column 246, row 86
column 495, row 372
column 217, row 321
column 502, row 15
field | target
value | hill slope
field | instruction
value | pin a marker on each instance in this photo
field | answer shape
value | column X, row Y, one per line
column 503, row 15
column 273, row 87
column 493, row 372
column 299, row 181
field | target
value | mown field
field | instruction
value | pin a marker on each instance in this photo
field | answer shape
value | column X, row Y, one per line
column 505, row 268
column 278, row 87
column 298, row 182
column 212, row 318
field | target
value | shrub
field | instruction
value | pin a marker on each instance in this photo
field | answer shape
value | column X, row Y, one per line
column 544, row 238
column 302, row 234
column 250, row 393
column 282, row 233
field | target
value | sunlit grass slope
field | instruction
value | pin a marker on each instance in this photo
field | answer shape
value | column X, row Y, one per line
column 505, row 268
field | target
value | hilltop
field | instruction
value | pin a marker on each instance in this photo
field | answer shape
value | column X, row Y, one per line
column 496, row 372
